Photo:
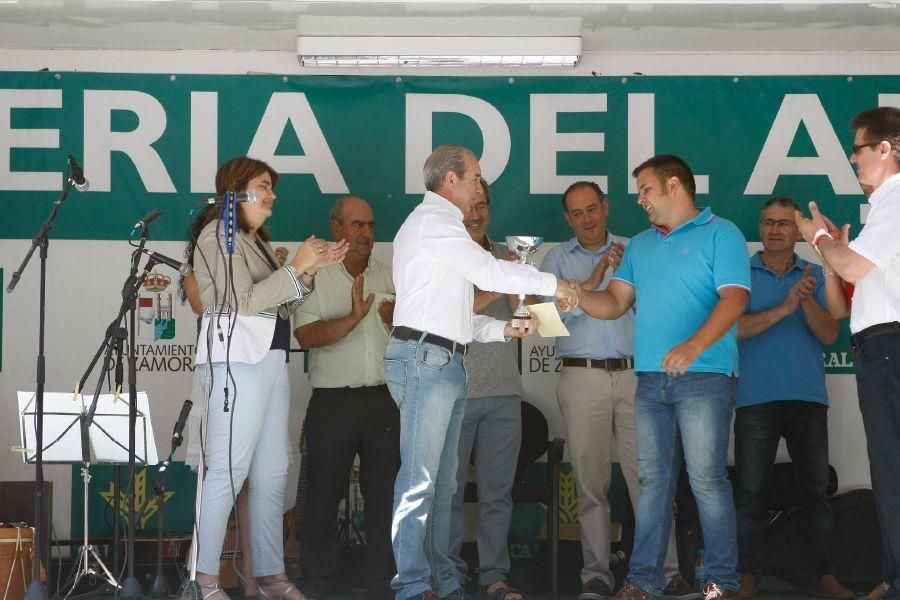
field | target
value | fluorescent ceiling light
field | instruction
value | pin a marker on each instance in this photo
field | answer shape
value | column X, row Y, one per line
column 438, row 42
column 438, row 51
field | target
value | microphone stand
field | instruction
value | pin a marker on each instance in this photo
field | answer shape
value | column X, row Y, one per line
column 36, row 589
column 131, row 588
column 119, row 340
column 160, row 588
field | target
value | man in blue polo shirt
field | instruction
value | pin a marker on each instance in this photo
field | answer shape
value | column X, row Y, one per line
column 688, row 277
column 781, row 393
column 596, row 387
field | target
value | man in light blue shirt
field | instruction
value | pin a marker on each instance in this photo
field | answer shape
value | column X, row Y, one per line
column 688, row 277
column 596, row 387
column 781, row 393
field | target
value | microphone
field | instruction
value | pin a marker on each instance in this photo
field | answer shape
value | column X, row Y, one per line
column 249, row 196
column 81, row 184
column 179, row 424
column 148, row 218
column 158, row 481
column 183, row 268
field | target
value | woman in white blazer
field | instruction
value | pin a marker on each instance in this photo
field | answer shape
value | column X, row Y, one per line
column 242, row 349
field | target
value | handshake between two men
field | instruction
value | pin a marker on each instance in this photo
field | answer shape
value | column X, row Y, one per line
column 569, row 293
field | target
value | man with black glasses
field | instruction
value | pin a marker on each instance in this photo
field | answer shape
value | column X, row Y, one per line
column 872, row 263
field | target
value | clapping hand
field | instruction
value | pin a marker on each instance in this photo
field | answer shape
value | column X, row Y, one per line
column 386, row 311
column 818, row 221
column 614, row 255
column 331, row 253
column 281, row 253
column 315, row 254
column 360, row 306
column 611, row 259
column 804, row 288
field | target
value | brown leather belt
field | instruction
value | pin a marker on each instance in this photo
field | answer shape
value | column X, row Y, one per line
column 607, row 364
column 404, row 333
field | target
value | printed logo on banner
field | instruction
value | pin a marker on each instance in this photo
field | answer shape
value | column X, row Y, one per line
column 145, row 501
column 181, row 483
column 155, row 318
column 529, row 521
column 157, row 349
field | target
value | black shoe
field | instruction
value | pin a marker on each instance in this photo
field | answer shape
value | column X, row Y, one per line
column 594, row 589
column 679, row 589
column 630, row 591
column 714, row 591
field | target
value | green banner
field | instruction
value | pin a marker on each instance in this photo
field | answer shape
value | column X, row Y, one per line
column 154, row 141
column 181, row 486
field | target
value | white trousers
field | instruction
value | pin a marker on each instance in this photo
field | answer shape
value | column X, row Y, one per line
column 250, row 440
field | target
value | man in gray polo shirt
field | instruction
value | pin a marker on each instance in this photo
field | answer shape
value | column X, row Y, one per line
column 492, row 427
column 351, row 410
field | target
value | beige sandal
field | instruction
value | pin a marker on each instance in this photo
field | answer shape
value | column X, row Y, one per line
column 215, row 590
column 278, row 590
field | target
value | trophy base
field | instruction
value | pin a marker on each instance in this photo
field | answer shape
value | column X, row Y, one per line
column 524, row 320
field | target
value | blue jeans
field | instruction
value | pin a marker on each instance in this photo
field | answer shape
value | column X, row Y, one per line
column 877, row 366
column 493, row 427
column 429, row 385
column 690, row 417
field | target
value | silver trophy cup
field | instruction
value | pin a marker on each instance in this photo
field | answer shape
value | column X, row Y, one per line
column 524, row 246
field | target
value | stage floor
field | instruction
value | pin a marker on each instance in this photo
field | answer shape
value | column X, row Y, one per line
column 780, row 595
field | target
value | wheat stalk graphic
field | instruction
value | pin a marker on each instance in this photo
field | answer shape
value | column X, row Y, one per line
column 146, row 506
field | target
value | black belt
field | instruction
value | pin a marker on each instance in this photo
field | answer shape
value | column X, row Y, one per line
column 858, row 339
column 607, row 364
column 407, row 333
column 363, row 389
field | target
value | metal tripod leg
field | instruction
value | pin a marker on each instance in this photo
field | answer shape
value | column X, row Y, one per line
column 83, row 566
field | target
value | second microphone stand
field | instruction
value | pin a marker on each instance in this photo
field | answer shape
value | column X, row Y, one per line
column 160, row 587
column 131, row 587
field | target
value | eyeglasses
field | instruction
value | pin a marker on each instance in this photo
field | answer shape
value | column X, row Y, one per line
column 857, row 147
column 780, row 223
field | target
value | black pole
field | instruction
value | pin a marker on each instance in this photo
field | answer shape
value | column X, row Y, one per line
column 119, row 379
column 117, row 507
column 36, row 589
column 131, row 589
column 160, row 587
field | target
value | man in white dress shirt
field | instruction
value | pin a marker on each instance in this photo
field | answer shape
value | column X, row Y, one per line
column 872, row 263
column 436, row 264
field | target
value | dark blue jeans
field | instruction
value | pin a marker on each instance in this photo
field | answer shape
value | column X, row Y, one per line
column 687, row 416
column 878, row 383
column 757, row 431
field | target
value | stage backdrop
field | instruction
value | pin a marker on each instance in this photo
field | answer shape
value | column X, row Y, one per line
column 154, row 141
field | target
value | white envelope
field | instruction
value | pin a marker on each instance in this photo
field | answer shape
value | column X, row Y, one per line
column 550, row 324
